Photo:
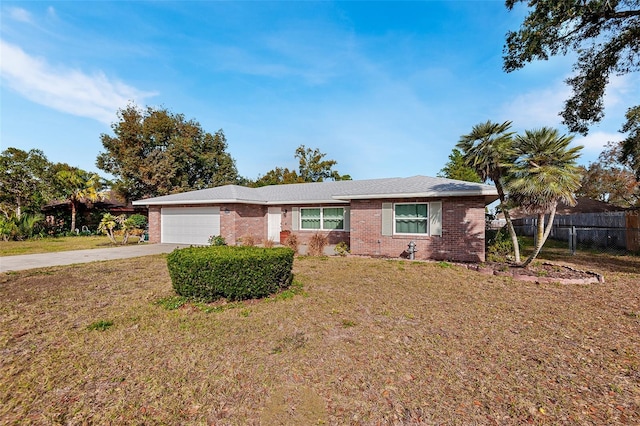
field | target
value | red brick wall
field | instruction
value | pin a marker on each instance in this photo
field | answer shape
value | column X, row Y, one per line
column 462, row 231
column 154, row 224
column 333, row 237
column 240, row 220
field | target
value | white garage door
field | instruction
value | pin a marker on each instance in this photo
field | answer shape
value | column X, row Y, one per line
column 189, row 225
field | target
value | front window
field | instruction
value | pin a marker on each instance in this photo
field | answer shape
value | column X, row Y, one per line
column 327, row 218
column 411, row 218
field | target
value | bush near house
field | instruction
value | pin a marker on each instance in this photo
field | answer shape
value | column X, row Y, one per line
column 235, row 273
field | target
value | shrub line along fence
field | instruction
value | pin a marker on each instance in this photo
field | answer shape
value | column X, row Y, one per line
column 616, row 231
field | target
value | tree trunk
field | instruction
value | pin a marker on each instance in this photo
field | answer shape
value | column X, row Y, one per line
column 542, row 234
column 507, row 218
column 73, row 215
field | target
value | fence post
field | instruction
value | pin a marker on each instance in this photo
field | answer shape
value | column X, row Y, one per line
column 572, row 240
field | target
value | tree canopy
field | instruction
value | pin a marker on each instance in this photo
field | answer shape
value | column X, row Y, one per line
column 155, row 152
column 23, row 181
column 312, row 167
column 489, row 150
column 533, row 171
column 605, row 34
column 456, row 168
column 76, row 185
column 609, row 180
column 630, row 147
column 544, row 173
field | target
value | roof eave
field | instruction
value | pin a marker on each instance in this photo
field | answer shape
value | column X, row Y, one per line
column 438, row 194
column 237, row 201
column 300, row 202
column 192, row 202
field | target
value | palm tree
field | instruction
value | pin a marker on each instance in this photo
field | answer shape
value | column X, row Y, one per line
column 77, row 185
column 544, row 174
column 488, row 149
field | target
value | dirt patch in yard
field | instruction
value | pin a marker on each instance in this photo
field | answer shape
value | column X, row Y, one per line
column 541, row 272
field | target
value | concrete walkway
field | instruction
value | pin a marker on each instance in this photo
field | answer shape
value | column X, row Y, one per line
column 43, row 260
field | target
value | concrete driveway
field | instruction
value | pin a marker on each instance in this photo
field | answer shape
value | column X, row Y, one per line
column 43, row 260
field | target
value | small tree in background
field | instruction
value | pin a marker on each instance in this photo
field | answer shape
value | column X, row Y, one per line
column 609, row 180
column 112, row 225
column 108, row 226
column 311, row 168
column 457, row 168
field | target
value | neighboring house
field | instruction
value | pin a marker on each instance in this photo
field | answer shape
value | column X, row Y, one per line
column 379, row 217
column 90, row 212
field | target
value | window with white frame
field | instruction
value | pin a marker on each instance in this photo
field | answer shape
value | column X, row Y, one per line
column 322, row 218
column 411, row 218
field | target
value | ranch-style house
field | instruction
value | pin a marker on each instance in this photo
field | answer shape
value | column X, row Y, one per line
column 444, row 218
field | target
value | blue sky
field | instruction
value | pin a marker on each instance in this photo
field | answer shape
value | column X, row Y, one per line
column 384, row 88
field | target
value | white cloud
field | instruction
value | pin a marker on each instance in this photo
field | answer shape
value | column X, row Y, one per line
column 596, row 141
column 537, row 108
column 19, row 14
column 64, row 89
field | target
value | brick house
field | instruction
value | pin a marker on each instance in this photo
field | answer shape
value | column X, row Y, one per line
column 444, row 218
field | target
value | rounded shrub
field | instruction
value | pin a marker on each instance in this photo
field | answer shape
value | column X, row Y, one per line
column 235, row 273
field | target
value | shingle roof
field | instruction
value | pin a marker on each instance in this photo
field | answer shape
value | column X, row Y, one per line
column 330, row 192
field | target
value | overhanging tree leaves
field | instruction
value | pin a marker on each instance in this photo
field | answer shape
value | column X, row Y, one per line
column 604, row 33
column 155, row 152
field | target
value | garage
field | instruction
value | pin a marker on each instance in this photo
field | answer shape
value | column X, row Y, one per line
column 189, row 225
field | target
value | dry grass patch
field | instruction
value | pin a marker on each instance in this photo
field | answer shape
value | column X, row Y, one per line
column 369, row 341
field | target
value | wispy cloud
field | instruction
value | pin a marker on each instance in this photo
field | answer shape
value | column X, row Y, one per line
column 537, row 108
column 64, row 89
column 19, row 14
column 596, row 141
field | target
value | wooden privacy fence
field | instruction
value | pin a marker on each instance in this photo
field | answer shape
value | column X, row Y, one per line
column 633, row 230
column 609, row 230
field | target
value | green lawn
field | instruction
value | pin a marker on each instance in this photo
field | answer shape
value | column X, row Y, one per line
column 48, row 245
column 364, row 342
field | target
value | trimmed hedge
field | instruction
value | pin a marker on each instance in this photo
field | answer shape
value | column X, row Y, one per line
column 236, row 273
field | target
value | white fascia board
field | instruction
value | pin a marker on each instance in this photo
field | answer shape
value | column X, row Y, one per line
column 235, row 201
column 193, row 202
column 304, row 202
column 438, row 194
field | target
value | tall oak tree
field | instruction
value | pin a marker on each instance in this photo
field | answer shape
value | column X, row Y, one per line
column 155, row 152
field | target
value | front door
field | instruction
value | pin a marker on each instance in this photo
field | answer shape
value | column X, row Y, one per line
column 273, row 224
